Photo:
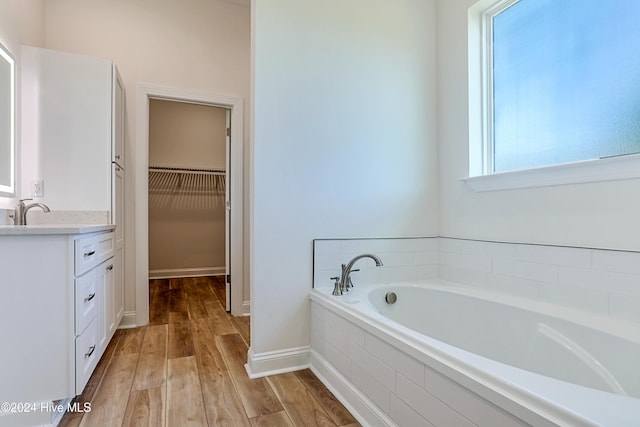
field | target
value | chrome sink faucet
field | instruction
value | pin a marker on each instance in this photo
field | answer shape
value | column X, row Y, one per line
column 345, row 280
column 20, row 212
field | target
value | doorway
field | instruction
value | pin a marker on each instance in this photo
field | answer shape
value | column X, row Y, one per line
column 233, row 181
column 188, row 192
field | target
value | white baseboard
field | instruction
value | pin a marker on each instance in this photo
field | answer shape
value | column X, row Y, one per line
column 186, row 272
column 358, row 404
column 246, row 308
column 277, row 362
column 129, row 320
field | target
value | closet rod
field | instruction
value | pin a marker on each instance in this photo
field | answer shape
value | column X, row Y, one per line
column 187, row 170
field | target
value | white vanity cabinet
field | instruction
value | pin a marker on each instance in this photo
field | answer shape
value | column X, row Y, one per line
column 73, row 120
column 57, row 311
column 95, row 314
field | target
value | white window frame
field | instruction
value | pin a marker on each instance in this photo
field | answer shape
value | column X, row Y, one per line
column 481, row 176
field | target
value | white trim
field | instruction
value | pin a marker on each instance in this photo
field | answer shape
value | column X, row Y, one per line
column 608, row 169
column 246, row 308
column 480, row 55
column 481, row 177
column 144, row 93
column 277, row 362
column 356, row 402
column 186, row 272
column 477, row 84
column 128, row 320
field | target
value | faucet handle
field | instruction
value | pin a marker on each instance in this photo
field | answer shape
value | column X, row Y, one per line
column 336, row 287
column 23, row 200
column 344, row 269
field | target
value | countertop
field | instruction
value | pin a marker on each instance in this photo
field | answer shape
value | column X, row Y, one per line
column 38, row 229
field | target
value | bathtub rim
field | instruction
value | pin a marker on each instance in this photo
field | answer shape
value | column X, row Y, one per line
column 526, row 399
column 620, row 328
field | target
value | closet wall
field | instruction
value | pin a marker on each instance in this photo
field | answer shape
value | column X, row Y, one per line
column 186, row 208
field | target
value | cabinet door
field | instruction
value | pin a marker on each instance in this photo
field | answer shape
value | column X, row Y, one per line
column 118, row 264
column 118, row 285
column 118, row 117
column 106, row 323
column 117, row 203
column 110, row 318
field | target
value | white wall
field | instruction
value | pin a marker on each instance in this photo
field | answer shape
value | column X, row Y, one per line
column 187, row 135
column 21, row 22
column 344, row 142
column 199, row 45
column 603, row 215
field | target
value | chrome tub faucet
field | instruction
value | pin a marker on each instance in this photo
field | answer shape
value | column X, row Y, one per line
column 343, row 283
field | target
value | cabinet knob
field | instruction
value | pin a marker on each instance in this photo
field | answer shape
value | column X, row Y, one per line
column 90, row 297
column 110, row 267
column 88, row 254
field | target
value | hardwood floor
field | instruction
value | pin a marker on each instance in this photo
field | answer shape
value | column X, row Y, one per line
column 186, row 368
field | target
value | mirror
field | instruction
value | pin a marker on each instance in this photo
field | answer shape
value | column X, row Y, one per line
column 7, row 123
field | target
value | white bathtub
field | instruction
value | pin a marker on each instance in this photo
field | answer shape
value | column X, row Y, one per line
column 541, row 364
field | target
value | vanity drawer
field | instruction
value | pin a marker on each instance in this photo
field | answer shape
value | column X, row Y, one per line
column 91, row 251
column 87, row 355
column 87, row 300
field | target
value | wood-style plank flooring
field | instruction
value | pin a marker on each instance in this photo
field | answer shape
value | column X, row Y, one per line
column 186, row 368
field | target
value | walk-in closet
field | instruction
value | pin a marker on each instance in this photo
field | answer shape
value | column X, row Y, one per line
column 188, row 160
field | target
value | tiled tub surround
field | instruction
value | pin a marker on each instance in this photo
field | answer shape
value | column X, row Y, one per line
column 403, row 259
column 386, row 379
column 595, row 280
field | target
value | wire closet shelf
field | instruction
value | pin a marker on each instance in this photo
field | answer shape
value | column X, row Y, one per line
column 186, row 187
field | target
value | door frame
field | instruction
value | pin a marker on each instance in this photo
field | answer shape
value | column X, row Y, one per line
column 145, row 92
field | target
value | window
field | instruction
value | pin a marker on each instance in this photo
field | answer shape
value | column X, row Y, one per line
column 560, row 82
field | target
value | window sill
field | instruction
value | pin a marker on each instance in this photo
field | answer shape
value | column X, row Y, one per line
column 597, row 170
